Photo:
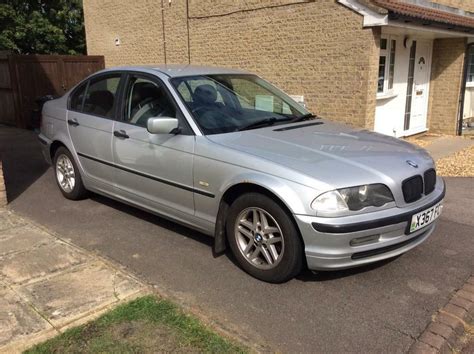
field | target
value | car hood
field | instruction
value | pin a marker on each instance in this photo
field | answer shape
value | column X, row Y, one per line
column 332, row 153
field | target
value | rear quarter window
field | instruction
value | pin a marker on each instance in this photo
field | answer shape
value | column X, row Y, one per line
column 77, row 98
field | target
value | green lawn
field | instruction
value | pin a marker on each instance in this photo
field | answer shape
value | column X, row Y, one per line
column 147, row 324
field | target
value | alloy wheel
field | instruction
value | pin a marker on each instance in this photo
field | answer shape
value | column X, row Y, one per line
column 259, row 238
column 65, row 173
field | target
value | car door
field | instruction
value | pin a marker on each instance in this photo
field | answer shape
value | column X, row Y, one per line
column 92, row 110
column 153, row 170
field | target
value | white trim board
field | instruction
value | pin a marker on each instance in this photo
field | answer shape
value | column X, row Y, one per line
column 371, row 18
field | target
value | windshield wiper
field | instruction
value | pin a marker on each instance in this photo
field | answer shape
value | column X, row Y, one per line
column 261, row 123
column 304, row 117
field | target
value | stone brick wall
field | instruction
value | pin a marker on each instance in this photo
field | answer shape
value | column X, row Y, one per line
column 445, row 86
column 313, row 48
column 138, row 25
column 3, row 191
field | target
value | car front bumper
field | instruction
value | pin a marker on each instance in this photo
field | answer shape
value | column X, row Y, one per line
column 334, row 243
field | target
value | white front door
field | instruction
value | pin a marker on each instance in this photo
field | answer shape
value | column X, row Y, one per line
column 416, row 108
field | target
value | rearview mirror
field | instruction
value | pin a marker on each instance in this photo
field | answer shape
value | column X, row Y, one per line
column 162, row 125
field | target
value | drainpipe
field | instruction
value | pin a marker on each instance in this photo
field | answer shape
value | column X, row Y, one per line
column 463, row 87
column 163, row 28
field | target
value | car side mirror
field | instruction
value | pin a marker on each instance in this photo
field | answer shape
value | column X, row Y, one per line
column 162, row 125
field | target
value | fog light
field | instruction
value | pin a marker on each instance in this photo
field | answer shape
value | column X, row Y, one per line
column 364, row 240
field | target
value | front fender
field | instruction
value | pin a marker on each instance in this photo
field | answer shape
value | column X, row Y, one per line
column 296, row 197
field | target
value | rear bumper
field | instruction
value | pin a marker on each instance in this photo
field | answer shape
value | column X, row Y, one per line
column 45, row 147
column 329, row 242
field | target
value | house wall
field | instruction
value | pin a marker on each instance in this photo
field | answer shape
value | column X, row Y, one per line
column 136, row 23
column 445, row 86
column 313, row 48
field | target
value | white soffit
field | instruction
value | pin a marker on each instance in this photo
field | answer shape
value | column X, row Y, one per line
column 395, row 27
column 371, row 18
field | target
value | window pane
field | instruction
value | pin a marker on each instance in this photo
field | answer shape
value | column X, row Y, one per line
column 470, row 69
column 250, row 94
column 411, row 71
column 184, row 92
column 77, row 98
column 381, row 74
column 100, row 96
column 383, row 44
column 226, row 103
column 391, row 69
column 147, row 99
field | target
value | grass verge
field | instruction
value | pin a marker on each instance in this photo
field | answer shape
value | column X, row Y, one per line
column 145, row 325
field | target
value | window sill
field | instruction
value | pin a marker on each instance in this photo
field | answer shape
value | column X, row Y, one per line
column 470, row 84
column 386, row 95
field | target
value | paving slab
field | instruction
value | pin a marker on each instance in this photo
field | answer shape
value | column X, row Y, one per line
column 21, row 267
column 447, row 145
column 8, row 221
column 17, row 319
column 76, row 293
column 48, row 285
column 21, row 238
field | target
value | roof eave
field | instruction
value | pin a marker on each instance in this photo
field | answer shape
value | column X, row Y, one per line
column 373, row 16
column 434, row 24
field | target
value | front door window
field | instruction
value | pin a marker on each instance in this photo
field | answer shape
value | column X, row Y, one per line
column 147, row 99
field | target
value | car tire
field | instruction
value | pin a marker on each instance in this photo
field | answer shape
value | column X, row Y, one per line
column 67, row 175
column 264, row 239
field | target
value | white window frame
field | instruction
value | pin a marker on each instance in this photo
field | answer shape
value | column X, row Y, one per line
column 389, row 55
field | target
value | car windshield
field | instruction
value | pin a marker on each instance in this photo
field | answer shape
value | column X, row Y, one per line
column 231, row 102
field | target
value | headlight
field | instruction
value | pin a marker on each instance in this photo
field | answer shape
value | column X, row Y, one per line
column 353, row 198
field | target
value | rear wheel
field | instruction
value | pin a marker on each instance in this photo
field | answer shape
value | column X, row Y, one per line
column 264, row 239
column 67, row 175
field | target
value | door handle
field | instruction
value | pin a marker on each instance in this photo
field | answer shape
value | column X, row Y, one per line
column 121, row 134
column 72, row 122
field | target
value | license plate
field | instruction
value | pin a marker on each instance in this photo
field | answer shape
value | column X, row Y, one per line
column 425, row 217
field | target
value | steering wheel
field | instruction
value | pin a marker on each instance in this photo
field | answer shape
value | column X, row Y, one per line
column 213, row 118
column 146, row 108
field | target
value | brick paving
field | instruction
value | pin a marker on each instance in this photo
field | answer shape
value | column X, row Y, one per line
column 452, row 327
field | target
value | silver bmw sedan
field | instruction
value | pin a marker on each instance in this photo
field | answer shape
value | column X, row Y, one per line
column 226, row 153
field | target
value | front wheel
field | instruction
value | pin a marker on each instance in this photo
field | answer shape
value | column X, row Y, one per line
column 264, row 239
column 67, row 175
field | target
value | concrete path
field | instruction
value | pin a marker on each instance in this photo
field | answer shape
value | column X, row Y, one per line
column 48, row 285
column 447, row 145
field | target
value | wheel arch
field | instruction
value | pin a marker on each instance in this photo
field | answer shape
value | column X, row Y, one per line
column 230, row 195
column 55, row 145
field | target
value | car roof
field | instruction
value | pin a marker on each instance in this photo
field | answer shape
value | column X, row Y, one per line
column 180, row 70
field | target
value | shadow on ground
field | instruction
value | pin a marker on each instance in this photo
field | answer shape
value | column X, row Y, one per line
column 305, row 276
column 22, row 160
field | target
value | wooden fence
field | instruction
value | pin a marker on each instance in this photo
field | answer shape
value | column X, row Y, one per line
column 25, row 78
